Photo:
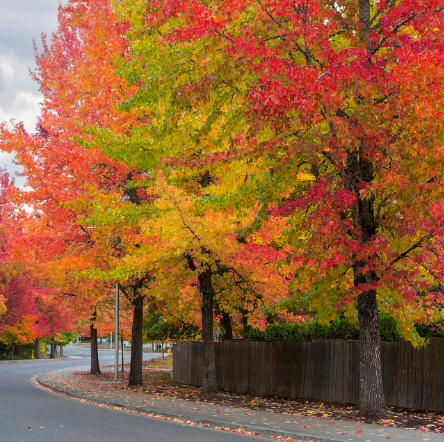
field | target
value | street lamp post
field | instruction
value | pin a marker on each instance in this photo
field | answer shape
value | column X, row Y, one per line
column 116, row 337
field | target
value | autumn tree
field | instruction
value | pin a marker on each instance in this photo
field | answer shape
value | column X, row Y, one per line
column 349, row 93
column 75, row 74
column 192, row 247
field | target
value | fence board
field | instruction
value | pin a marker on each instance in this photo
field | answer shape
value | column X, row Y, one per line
column 234, row 366
column 434, row 375
column 259, row 369
column 389, row 362
column 353, row 372
column 291, row 368
column 175, row 364
column 180, row 362
column 421, row 378
column 195, row 363
column 328, row 371
column 219, row 354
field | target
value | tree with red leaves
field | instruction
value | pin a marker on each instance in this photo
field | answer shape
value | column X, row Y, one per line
column 336, row 107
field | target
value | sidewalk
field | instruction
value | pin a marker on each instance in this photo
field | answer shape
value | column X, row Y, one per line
column 262, row 422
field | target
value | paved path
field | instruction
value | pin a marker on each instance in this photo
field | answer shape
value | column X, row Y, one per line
column 31, row 414
column 264, row 423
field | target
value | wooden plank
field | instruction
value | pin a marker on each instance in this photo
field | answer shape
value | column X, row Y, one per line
column 421, row 375
column 353, row 372
column 389, row 363
column 234, row 366
column 328, row 371
column 434, row 375
column 259, row 367
column 291, row 368
column 180, row 361
column 195, row 375
column 175, row 364
column 219, row 354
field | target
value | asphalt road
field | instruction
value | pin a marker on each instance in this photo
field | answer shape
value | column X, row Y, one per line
column 53, row 418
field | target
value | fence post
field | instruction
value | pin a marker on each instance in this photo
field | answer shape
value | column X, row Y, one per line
column 397, row 374
column 223, row 365
column 188, row 362
column 272, row 367
column 348, row 364
column 309, row 369
column 245, row 365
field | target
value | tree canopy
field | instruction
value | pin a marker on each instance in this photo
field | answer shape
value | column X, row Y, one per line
column 240, row 160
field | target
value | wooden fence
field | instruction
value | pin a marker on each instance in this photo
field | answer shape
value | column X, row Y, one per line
column 326, row 370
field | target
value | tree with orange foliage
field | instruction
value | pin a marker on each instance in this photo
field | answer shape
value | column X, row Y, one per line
column 75, row 73
column 349, row 93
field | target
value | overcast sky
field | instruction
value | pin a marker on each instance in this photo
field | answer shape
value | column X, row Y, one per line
column 21, row 21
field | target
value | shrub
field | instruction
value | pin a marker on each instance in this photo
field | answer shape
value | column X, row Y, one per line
column 338, row 329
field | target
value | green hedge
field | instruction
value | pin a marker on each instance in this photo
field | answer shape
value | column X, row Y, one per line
column 429, row 331
column 338, row 329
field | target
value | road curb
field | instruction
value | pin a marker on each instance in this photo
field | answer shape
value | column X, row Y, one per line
column 261, row 431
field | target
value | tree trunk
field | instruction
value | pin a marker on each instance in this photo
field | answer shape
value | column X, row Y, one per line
column 61, row 351
column 135, row 376
column 225, row 323
column 371, row 393
column 95, row 366
column 12, row 352
column 53, row 353
column 37, row 348
column 209, row 380
column 121, row 341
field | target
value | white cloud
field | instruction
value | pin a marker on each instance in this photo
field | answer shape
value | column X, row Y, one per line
column 21, row 21
column 19, row 96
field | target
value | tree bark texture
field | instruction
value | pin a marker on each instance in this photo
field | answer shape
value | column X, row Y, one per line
column 209, row 380
column 37, row 348
column 371, row 393
column 95, row 366
column 135, row 376
column 225, row 323
column 53, row 353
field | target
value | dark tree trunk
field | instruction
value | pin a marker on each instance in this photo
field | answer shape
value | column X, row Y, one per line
column 61, row 351
column 225, row 323
column 121, row 341
column 135, row 376
column 209, row 380
column 12, row 352
column 95, row 366
column 53, row 353
column 371, row 394
column 37, row 348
